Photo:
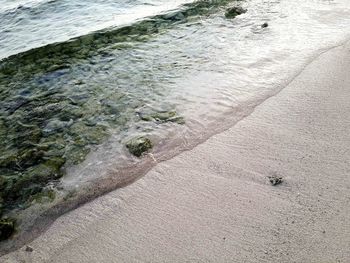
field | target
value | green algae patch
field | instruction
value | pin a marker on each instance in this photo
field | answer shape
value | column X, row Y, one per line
column 17, row 187
column 7, row 228
column 89, row 133
column 76, row 154
column 44, row 196
column 20, row 159
column 138, row 146
column 21, row 187
column 55, row 163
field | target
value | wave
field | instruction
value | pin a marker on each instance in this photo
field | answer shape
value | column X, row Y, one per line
column 62, row 54
column 18, row 6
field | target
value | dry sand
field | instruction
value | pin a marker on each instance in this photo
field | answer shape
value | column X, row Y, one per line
column 215, row 203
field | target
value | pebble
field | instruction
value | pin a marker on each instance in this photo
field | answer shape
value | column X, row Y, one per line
column 29, row 249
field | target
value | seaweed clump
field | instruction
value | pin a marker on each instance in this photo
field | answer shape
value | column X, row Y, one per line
column 138, row 146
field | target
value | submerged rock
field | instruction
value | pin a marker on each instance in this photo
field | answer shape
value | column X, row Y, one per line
column 44, row 196
column 110, row 107
column 8, row 160
column 234, row 11
column 1, row 200
column 18, row 188
column 56, row 126
column 20, row 133
column 139, row 145
column 55, row 163
column 76, row 154
column 7, row 228
column 62, row 110
column 162, row 116
column 79, row 82
column 41, row 173
column 88, row 134
column 16, row 103
column 96, row 135
column 29, row 157
column 55, row 67
column 19, row 160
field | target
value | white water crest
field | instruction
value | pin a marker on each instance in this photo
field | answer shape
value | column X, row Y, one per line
column 25, row 24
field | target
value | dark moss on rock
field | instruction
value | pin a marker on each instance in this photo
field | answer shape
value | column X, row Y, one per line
column 55, row 163
column 32, row 181
column 8, row 159
column 17, row 187
column 96, row 135
column 234, row 11
column 20, row 133
column 56, row 125
column 22, row 159
column 44, row 196
column 89, row 134
column 7, row 228
column 1, row 205
column 139, row 146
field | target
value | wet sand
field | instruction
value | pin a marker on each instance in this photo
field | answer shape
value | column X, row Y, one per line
column 215, row 203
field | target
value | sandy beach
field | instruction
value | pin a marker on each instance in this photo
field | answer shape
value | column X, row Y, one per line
column 215, row 203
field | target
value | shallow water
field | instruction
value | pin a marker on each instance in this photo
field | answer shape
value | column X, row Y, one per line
column 71, row 96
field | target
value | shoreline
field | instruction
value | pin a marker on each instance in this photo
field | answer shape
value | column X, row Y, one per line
column 33, row 227
column 254, row 178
